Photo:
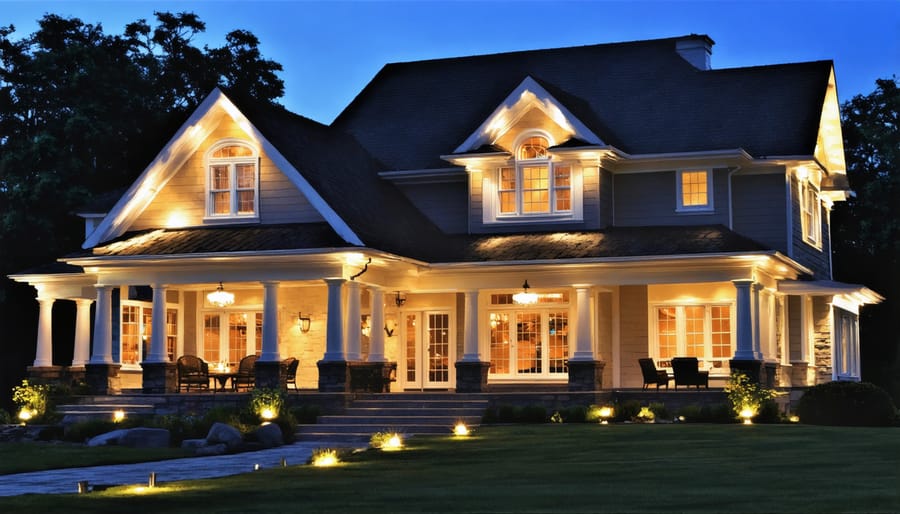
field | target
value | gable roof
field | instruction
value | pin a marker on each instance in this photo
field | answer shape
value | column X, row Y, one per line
column 642, row 97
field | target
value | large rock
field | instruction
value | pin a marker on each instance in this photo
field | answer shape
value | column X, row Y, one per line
column 225, row 434
column 213, row 449
column 269, row 435
column 146, row 438
column 107, row 439
column 193, row 444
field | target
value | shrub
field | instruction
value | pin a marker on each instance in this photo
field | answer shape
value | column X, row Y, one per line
column 5, row 418
column 288, row 425
column 533, row 414
column 305, row 414
column 34, row 398
column 846, row 404
column 717, row 413
column 81, row 431
column 660, row 411
column 768, row 413
column 575, row 414
column 264, row 398
column 745, row 394
column 626, row 411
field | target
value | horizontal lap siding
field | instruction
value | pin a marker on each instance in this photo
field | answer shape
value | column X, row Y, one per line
column 633, row 333
column 649, row 199
column 759, row 209
column 804, row 253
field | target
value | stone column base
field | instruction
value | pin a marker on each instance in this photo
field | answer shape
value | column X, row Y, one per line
column 103, row 379
column 471, row 377
column 334, row 376
column 586, row 375
column 752, row 368
column 771, row 371
column 372, row 377
column 45, row 374
column 158, row 378
column 269, row 375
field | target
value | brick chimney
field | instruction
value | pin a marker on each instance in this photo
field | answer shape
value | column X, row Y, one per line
column 695, row 49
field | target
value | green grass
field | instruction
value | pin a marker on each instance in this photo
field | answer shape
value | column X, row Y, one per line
column 557, row 468
column 24, row 457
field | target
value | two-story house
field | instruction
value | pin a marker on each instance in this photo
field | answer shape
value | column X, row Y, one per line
column 535, row 217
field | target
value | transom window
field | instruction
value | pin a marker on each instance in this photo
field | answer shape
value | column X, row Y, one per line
column 694, row 190
column 233, row 181
column 535, row 185
column 703, row 331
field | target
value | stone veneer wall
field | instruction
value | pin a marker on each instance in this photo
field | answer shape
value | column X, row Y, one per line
column 822, row 338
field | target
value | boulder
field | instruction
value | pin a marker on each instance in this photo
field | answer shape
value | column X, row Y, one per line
column 225, row 434
column 269, row 435
column 213, row 449
column 146, row 438
column 194, row 443
column 107, row 439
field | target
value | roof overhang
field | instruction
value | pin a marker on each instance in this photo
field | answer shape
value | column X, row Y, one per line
column 858, row 294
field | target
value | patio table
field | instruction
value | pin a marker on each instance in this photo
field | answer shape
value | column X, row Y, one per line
column 222, row 378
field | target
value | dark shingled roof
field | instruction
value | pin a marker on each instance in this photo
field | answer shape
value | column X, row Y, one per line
column 613, row 242
column 52, row 268
column 641, row 97
column 247, row 238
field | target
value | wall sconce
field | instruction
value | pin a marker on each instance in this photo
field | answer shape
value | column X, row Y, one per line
column 525, row 298
column 303, row 323
column 399, row 300
column 389, row 327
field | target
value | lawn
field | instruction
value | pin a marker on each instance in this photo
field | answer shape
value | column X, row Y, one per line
column 38, row 456
column 556, row 468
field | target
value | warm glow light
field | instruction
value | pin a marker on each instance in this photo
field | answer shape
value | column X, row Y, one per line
column 176, row 219
column 220, row 297
column 394, row 442
column 747, row 413
column 605, row 414
column 25, row 415
column 118, row 416
column 794, row 419
column 525, row 298
column 267, row 414
column 325, row 458
column 461, row 430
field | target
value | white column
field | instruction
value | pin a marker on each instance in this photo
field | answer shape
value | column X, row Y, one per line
column 744, row 329
column 270, row 323
column 334, row 328
column 470, row 328
column 44, row 352
column 584, row 349
column 102, row 353
column 354, row 327
column 158, row 326
column 376, row 324
column 757, row 314
column 82, row 332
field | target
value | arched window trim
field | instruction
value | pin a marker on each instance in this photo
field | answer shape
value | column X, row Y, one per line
column 232, row 188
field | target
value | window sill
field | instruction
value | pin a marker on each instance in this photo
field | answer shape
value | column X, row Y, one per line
column 815, row 244
column 229, row 220
column 541, row 218
column 695, row 210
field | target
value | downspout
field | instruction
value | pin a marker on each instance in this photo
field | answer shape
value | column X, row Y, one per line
column 730, row 202
column 365, row 269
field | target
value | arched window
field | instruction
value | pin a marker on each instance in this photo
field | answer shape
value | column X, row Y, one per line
column 534, row 185
column 232, row 181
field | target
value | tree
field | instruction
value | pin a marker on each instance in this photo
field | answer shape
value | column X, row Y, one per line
column 867, row 226
column 81, row 114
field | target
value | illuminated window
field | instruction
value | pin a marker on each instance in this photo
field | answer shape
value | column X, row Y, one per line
column 694, row 190
column 702, row 331
column 535, row 186
column 233, row 181
column 530, row 342
column 242, row 335
column 136, row 328
column 809, row 213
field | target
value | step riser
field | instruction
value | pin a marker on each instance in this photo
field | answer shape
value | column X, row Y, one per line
column 419, row 404
column 370, row 429
column 356, row 411
column 402, row 420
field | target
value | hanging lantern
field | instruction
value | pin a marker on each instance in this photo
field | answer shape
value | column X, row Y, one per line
column 220, row 297
column 525, row 298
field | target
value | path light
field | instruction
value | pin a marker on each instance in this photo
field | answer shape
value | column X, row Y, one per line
column 324, row 457
column 256, row 467
column 151, row 482
column 746, row 414
column 460, row 430
column 83, row 487
column 118, row 416
column 283, row 462
column 267, row 414
column 794, row 419
column 605, row 414
column 25, row 415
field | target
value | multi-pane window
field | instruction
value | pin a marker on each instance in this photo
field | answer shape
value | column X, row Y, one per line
column 438, row 334
column 694, row 188
column 532, row 340
column 702, row 331
column 233, row 182
column 535, row 185
column 242, row 336
column 136, row 329
column 809, row 213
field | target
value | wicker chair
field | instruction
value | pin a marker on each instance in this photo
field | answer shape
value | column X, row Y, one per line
column 245, row 377
column 289, row 371
column 653, row 376
column 192, row 372
column 687, row 372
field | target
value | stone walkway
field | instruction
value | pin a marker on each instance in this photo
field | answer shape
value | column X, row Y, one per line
column 66, row 480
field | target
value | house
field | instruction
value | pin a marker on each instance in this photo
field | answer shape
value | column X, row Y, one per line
column 534, row 217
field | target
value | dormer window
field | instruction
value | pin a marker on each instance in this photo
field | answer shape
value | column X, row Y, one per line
column 534, row 185
column 232, row 181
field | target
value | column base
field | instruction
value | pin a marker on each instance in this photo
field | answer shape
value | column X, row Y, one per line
column 158, row 378
column 372, row 377
column 586, row 375
column 471, row 376
column 45, row 374
column 750, row 367
column 334, row 376
column 269, row 375
column 103, row 379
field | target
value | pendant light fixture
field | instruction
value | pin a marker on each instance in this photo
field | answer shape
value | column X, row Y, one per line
column 220, row 297
column 525, row 298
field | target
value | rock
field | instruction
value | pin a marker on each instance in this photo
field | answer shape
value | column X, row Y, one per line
column 269, row 435
column 194, row 443
column 145, row 438
column 214, row 449
column 226, row 434
column 107, row 439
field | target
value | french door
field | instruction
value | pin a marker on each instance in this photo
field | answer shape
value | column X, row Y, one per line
column 528, row 344
column 429, row 350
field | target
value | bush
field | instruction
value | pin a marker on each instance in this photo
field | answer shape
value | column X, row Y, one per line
column 81, row 431
column 847, row 404
column 768, row 413
column 717, row 413
column 747, row 395
column 5, row 418
column 660, row 411
column 305, row 414
column 626, row 411
column 575, row 414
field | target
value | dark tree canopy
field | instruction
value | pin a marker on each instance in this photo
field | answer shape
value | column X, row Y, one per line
column 82, row 113
column 867, row 227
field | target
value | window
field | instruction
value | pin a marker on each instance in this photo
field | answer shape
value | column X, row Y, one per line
column 694, row 190
column 846, row 345
column 229, row 336
column 702, row 331
column 136, row 327
column 535, row 185
column 531, row 341
column 233, row 181
column 809, row 213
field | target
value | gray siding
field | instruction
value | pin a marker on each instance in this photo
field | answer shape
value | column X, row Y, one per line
column 759, row 209
column 605, row 205
column 804, row 253
column 648, row 199
column 795, row 327
column 444, row 204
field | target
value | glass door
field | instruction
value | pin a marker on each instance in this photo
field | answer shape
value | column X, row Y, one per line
column 429, row 350
column 530, row 343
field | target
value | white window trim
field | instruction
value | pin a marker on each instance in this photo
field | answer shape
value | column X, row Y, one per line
column 679, row 197
column 223, row 329
column 210, row 216
column 852, row 370
column 145, row 305
column 812, row 235
column 681, row 333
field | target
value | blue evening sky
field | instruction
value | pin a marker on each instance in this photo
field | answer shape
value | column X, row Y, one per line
column 330, row 50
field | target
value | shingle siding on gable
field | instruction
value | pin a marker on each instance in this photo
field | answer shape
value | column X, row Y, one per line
column 279, row 202
column 446, row 205
column 648, row 199
column 807, row 255
column 760, row 206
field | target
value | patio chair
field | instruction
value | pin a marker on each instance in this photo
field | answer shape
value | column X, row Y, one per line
column 687, row 372
column 653, row 376
column 192, row 372
column 245, row 376
column 289, row 371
